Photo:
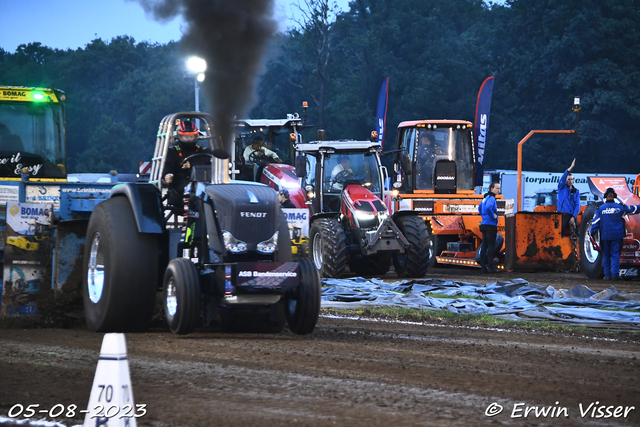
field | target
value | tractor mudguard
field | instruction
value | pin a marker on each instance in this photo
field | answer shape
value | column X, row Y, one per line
column 145, row 203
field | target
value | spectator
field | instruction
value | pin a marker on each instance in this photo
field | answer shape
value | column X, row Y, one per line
column 568, row 201
column 489, row 228
column 285, row 202
column 610, row 223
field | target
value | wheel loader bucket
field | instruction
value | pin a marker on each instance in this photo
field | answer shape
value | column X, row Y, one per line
column 535, row 242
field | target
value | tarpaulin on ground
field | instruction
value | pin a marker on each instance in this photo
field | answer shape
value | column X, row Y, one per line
column 515, row 299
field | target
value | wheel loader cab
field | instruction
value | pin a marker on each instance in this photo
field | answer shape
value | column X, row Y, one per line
column 431, row 146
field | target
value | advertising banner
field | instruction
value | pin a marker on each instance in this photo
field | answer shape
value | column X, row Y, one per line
column 298, row 220
column 381, row 116
column 27, row 248
column 481, row 123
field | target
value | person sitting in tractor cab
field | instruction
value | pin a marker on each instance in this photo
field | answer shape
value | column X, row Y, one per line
column 258, row 155
column 340, row 172
column 427, row 152
column 178, row 171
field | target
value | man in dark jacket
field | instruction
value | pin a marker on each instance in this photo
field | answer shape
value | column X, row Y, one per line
column 609, row 221
column 285, row 202
column 568, row 201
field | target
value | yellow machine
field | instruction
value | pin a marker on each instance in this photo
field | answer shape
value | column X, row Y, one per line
column 436, row 179
column 22, row 243
column 439, row 184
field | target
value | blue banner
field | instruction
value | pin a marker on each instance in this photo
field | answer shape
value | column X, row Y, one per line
column 481, row 123
column 383, row 99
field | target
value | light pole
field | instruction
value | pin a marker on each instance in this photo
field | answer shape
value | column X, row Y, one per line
column 196, row 67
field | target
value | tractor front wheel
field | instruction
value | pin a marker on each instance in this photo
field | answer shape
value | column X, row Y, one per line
column 414, row 262
column 328, row 247
column 302, row 305
column 181, row 296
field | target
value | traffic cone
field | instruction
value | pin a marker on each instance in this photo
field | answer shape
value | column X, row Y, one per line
column 111, row 400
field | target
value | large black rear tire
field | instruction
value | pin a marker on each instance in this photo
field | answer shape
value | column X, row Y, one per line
column 120, row 268
column 415, row 261
column 590, row 259
column 302, row 305
column 328, row 247
column 181, row 296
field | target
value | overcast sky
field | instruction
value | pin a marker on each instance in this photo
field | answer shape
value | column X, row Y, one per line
column 64, row 24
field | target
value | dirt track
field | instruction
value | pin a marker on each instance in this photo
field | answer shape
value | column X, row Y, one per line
column 348, row 372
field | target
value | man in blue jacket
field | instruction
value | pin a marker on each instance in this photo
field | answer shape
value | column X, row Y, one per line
column 609, row 221
column 568, row 201
column 488, row 208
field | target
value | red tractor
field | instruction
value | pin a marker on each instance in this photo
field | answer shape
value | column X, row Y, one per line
column 349, row 222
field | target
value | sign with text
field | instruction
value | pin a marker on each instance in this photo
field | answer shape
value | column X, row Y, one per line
column 27, row 249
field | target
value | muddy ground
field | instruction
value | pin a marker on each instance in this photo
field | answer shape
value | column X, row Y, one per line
column 356, row 372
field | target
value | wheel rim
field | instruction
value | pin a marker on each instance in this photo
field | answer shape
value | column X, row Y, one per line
column 317, row 251
column 171, row 299
column 589, row 251
column 95, row 272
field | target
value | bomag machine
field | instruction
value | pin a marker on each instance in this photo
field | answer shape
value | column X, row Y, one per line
column 35, row 188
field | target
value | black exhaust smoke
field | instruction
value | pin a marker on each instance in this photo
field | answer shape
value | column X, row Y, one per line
column 231, row 35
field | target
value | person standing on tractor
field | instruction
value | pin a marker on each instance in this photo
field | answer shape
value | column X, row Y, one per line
column 610, row 222
column 178, row 171
column 285, row 202
column 489, row 228
column 257, row 155
column 568, row 201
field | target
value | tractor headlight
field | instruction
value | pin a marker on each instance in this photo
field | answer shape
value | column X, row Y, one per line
column 268, row 246
column 232, row 244
column 363, row 216
column 366, row 220
column 383, row 215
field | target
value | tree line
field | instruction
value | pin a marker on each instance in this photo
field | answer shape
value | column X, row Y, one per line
column 542, row 53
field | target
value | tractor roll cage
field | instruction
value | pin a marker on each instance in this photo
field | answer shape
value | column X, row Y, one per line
column 165, row 139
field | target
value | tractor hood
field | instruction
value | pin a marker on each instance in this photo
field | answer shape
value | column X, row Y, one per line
column 248, row 211
column 359, row 198
column 362, row 208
